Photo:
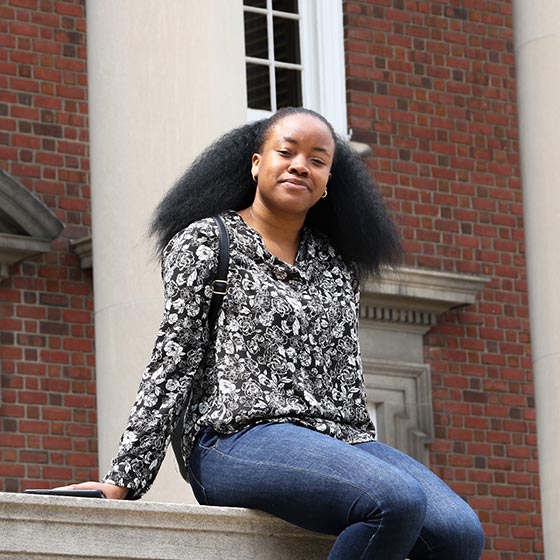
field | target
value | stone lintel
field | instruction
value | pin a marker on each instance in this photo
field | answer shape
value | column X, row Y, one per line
column 417, row 296
column 15, row 248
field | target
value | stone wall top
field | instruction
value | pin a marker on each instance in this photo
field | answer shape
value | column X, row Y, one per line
column 51, row 527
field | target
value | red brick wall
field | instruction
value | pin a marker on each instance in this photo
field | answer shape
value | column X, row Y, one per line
column 431, row 87
column 47, row 410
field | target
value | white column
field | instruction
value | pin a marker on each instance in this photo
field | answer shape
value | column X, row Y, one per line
column 165, row 79
column 537, row 43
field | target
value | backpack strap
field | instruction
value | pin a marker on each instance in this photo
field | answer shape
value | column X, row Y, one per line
column 219, row 285
column 219, row 289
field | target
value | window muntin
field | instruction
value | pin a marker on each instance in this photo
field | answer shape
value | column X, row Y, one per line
column 295, row 57
column 272, row 54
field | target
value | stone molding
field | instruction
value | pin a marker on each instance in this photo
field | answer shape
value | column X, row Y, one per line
column 51, row 528
column 15, row 248
column 413, row 298
column 27, row 225
column 363, row 150
column 400, row 399
column 83, row 248
column 395, row 312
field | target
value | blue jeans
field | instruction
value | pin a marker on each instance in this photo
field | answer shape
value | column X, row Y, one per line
column 381, row 503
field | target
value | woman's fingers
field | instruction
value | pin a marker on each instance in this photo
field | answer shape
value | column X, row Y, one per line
column 112, row 491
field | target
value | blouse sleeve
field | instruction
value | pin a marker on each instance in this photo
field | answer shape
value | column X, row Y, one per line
column 188, row 267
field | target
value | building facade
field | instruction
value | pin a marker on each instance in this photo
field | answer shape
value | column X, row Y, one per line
column 101, row 111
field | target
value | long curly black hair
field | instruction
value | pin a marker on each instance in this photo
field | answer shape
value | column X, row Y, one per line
column 353, row 216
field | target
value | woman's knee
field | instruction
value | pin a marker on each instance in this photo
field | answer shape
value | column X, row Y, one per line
column 475, row 534
column 410, row 503
column 466, row 537
column 405, row 503
column 458, row 537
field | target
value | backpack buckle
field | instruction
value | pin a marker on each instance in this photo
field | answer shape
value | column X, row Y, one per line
column 219, row 287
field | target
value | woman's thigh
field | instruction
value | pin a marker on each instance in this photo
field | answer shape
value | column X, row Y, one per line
column 451, row 528
column 304, row 477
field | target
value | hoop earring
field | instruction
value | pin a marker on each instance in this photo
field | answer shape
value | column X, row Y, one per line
column 324, row 195
column 255, row 180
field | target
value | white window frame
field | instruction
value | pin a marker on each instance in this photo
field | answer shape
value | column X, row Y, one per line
column 322, row 60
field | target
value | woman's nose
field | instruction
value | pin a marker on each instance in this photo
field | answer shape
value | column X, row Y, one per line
column 298, row 166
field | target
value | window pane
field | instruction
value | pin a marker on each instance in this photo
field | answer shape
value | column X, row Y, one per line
column 286, row 40
column 288, row 88
column 256, row 37
column 290, row 6
column 255, row 3
column 258, row 87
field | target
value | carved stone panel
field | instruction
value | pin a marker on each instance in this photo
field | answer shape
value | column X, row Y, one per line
column 395, row 313
column 400, row 400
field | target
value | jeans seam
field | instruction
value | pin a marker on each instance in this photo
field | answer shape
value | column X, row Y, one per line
column 428, row 547
column 298, row 469
column 211, row 448
column 193, row 476
column 363, row 557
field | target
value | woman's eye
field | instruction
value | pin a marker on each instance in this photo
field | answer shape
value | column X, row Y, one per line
column 284, row 152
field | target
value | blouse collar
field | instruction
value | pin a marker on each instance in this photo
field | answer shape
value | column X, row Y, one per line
column 253, row 243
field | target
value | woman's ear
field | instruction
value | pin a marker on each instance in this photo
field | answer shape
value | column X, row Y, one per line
column 255, row 163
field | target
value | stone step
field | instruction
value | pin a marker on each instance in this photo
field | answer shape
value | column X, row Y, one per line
column 34, row 527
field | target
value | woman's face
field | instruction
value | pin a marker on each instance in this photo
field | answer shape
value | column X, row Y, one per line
column 293, row 166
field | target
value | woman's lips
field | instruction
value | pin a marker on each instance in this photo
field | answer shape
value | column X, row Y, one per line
column 297, row 184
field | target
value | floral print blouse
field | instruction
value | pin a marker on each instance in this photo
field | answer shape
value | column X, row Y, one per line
column 285, row 348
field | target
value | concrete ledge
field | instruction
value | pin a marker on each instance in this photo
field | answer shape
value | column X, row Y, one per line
column 55, row 528
column 83, row 248
column 412, row 298
column 432, row 290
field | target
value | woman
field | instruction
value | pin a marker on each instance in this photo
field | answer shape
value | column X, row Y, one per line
column 277, row 416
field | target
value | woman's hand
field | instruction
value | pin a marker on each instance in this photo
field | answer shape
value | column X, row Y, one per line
column 112, row 491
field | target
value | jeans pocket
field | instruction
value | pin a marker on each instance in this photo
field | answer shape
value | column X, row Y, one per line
column 208, row 438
